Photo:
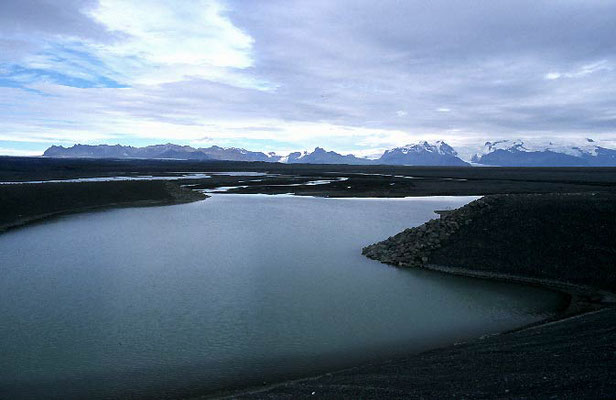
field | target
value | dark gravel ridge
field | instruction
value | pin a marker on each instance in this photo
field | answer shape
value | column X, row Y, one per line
column 27, row 203
column 570, row 238
column 413, row 247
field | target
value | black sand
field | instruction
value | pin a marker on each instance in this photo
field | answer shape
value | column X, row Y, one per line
column 567, row 239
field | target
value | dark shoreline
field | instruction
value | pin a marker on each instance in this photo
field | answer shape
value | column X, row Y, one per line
column 590, row 313
column 540, row 360
column 506, row 235
column 22, row 203
column 577, row 304
column 517, row 364
column 27, row 204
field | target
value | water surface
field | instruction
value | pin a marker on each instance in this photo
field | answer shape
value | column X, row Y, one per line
column 172, row 176
column 235, row 290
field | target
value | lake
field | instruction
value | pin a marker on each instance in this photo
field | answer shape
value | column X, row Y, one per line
column 232, row 291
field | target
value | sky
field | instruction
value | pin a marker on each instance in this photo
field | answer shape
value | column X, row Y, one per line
column 284, row 75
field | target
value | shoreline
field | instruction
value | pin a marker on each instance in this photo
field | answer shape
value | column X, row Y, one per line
column 533, row 355
column 42, row 218
column 37, row 219
column 347, row 383
column 585, row 301
column 582, row 298
column 578, row 305
column 166, row 194
column 576, row 296
column 504, row 237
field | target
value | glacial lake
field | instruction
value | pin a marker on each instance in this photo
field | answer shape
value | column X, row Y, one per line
column 232, row 291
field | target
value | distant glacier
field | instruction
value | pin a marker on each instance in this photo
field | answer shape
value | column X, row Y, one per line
column 505, row 153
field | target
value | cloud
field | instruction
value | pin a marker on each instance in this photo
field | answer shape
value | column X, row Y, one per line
column 9, row 151
column 167, row 42
column 36, row 20
column 600, row 66
column 172, row 41
column 296, row 73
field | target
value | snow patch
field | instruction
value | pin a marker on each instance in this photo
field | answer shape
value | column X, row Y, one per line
column 580, row 148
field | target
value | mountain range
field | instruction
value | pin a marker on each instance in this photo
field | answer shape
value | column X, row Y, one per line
column 168, row 150
column 423, row 153
column 517, row 153
column 504, row 153
column 322, row 156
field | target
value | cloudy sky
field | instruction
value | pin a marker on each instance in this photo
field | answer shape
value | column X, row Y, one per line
column 279, row 75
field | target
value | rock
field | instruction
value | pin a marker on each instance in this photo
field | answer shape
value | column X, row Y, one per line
column 413, row 246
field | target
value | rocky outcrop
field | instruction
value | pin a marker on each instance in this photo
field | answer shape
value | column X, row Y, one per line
column 413, row 247
column 564, row 238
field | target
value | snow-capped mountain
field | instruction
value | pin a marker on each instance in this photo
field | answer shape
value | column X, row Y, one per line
column 322, row 156
column 237, row 154
column 423, row 153
column 518, row 153
column 513, row 153
column 158, row 151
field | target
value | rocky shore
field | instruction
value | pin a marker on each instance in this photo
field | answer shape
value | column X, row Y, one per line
column 566, row 239
column 413, row 247
column 559, row 241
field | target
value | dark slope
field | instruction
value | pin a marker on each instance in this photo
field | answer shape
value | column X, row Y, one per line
column 573, row 359
column 25, row 203
column 564, row 237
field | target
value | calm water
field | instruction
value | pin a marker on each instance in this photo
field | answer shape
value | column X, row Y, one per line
column 234, row 290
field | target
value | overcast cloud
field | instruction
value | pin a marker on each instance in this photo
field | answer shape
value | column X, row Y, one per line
column 352, row 76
